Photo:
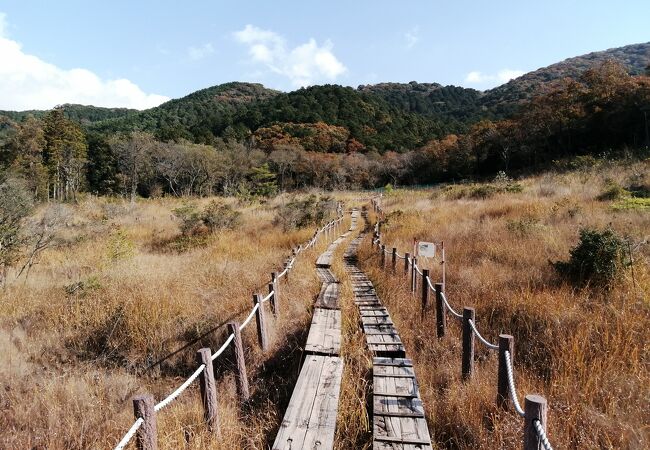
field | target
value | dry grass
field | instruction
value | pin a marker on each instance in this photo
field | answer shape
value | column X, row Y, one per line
column 107, row 314
column 585, row 350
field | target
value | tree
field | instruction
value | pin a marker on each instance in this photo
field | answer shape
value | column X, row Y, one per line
column 102, row 165
column 263, row 181
column 26, row 147
column 135, row 157
column 64, row 155
column 283, row 159
column 15, row 204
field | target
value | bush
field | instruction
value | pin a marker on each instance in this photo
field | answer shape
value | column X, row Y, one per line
column 596, row 260
column 215, row 216
column 302, row 213
column 15, row 204
column 613, row 191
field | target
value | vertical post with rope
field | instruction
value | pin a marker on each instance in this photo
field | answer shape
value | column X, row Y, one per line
column 240, row 362
column 535, row 409
column 414, row 276
column 425, row 290
column 407, row 256
column 147, row 434
column 275, row 301
column 261, row 322
column 468, row 343
column 441, row 318
column 272, row 300
column 208, row 390
column 383, row 255
column 393, row 260
column 506, row 344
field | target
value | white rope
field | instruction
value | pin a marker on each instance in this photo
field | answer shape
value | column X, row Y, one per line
column 223, row 347
column 284, row 272
column 417, row 269
column 399, row 256
column 267, row 297
column 129, row 434
column 511, row 385
column 250, row 317
column 388, row 252
column 180, row 389
column 542, row 434
column 451, row 310
column 410, row 260
column 481, row 338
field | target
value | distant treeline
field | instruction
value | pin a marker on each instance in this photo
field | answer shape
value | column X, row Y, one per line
column 243, row 139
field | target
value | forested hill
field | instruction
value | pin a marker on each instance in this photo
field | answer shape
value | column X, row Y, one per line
column 504, row 99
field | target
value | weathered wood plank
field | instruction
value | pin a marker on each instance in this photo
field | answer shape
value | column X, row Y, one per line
column 310, row 419
column 329, row 296
column 325, row 332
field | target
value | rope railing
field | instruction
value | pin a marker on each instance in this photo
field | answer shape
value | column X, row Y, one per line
column 171, row 397
column 535, row 406
column 256, row 310
column 129, row 434
column 511, row 385
column 485, row 342
column 539, row 429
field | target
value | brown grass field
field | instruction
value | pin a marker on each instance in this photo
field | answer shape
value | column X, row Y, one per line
column 111, row 311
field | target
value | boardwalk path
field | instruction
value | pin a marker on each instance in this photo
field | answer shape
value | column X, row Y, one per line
column 398, row 414
column 310, row 419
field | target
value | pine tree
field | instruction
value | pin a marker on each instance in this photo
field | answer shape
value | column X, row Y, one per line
column 263, row 181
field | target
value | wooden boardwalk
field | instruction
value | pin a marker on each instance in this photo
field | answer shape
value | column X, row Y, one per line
column 310, row 419
column 399, row 421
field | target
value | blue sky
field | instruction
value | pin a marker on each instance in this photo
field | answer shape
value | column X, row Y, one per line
column 139, row 53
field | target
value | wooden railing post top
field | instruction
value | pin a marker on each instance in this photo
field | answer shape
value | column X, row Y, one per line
column 394, row 250
column 143, row 398
column 438, row 287
column 505, row 337
column 203, row 355
column 536, row 399
column 469, row 312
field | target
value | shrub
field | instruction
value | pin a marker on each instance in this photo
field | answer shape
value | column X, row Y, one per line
column 613, row 191
column 483, row 191
column 120, row 247
column 301, row 213
column 595, row 260
column 215, row 216
column 15, row 204
column 388, row 189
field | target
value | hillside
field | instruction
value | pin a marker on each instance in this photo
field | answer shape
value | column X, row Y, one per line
column 503, row 99
column 84, row 114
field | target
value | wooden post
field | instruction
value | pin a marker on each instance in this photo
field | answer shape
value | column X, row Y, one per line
column 394, row 260
column 425, row 290
column 208, row 390
column 146, row 437
column 441, row 317
column 406, row 265
column 276, row 296
column 241, row 375
column 535, row 408
column 414, row 276
column 383, row 255
column 272, row 299
column 468, row 343
column 261, row 322
column 506, row 343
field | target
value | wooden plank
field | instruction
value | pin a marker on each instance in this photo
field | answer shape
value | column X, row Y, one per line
column 325, row 332
column 399, row 362
column 329, row 296
column 310, row 419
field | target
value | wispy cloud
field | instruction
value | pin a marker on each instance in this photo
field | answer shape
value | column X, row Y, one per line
column 28, row 82
column 197, row 53
column 412, row 37
column 502, row 76
column 303, row 65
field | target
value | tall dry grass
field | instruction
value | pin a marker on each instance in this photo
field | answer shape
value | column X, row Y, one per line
column 110, row 312
column 586, row 350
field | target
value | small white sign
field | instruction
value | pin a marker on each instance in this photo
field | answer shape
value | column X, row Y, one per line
column 427, row 249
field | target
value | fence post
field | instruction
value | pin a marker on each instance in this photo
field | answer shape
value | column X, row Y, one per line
column 406, row 264
column 394, row 260
column 441, row 317
column 425, row 290
column 383, row 255
column 272, row 299
column 276, row 296
column 414, row 276
column 261, row 322
column 147, row 435
column 535, row 408
column 506, row 343
column 468, row 343
column 208, row 390
column 241, row 375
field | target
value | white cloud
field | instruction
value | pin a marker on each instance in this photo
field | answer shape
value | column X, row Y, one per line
column 412, row 37
column 197, row 53
column 502, row 76
column 303, row 65
column 28, row 82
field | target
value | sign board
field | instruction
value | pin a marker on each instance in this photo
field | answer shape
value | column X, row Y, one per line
column 427, row 249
